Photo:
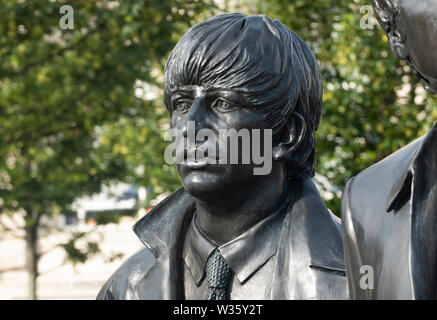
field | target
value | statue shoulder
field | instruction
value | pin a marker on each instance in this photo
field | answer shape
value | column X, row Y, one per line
column 376, row 187
column 122, row 285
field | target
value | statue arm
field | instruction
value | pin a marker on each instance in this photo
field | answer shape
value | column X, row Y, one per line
column 351, row 246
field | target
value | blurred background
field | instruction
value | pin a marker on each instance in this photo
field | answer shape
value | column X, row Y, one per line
column 82, row 123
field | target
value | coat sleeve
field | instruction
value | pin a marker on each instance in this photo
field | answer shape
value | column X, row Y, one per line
column 351, row 246
column 105, row 293
column 423, row 256
column 126, row 283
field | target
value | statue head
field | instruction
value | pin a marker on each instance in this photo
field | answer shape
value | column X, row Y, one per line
column 245, row 72
column 411, row 27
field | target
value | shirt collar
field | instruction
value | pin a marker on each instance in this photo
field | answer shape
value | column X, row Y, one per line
column 196, row 251
column 245, row 254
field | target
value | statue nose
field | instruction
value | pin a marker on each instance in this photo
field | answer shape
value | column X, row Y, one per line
column 196, row 116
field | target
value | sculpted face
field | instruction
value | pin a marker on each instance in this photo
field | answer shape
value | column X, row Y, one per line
column 411, row 26
column 253, row 79
column 214, row 110
column 418, row 19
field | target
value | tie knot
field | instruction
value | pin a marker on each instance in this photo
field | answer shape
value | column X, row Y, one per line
column 218, row 276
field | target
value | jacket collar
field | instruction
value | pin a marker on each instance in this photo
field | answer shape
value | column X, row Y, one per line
column 401, row 189
column 315, row 233
column 408, row 158
column 423, row 241
column 161, row 228
column 417, row 183
column 315, row 236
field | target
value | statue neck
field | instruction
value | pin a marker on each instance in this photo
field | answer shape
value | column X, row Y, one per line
column 240, row 210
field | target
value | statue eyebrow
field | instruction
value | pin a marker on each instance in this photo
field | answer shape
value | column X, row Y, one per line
column 189, row 90
column 232, row 95
column 186, row 89
column 182, row 91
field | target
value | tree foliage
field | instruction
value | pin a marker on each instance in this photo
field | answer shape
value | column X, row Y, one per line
column 373, row 104
column 60, row 87
column 81, row 107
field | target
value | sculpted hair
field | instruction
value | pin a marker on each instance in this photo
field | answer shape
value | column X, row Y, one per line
column 387, row 14
column 262, row 59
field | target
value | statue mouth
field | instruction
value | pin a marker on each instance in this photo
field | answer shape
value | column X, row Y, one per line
column 428, row 82
column 191, row 162
column 196, row 165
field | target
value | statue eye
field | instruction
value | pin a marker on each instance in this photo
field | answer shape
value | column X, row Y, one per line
column 223, row 105
column 182, row 106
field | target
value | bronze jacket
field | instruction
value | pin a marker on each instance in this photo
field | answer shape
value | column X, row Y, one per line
column 309, row 258
column 389, row 216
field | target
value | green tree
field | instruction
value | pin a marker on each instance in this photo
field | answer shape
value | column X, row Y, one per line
column 59, row 87
column 81, row 107
column 373, row 104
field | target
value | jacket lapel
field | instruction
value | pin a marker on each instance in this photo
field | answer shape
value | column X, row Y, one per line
column 309, row 261
column 423, row 245
column 400, row 192
column 162, row 230
column 416, row 186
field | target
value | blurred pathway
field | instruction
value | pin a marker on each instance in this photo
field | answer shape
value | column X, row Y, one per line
column 65, row 282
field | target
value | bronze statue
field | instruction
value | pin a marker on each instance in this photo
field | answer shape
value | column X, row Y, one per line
column 389, row 210
column 229, row 233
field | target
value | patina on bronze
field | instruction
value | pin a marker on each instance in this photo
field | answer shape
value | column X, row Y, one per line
column 411, row 28
column 389, row 210
column 274, row 231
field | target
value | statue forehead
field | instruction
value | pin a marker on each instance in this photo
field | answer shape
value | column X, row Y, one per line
column 419, row 7
column 236, row 51
column 424, row 11
column 254, row 35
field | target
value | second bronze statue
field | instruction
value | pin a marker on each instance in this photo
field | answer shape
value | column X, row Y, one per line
column 390, row 209
column 229, row 233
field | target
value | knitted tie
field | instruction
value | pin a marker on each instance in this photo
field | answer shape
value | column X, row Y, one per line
column 218, row 275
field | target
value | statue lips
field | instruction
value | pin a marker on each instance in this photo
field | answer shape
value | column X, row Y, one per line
column 194, row 164
column 200, row 165
column 429, row 83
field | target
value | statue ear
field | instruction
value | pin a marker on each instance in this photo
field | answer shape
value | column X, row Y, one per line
column 387, row 14
column 293, row 136
column 397, row 44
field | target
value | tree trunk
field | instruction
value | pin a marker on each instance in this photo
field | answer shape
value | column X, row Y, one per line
column 32, row 256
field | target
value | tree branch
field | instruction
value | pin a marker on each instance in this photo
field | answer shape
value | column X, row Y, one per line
column 12, row 269
column 52, row 55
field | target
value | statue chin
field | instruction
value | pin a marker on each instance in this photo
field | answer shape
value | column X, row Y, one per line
column 217, row 182
column 417, row 24
column 424, row 68
column 198, row 186
column 430, row 87
column 429, row 80
column 204, row 186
